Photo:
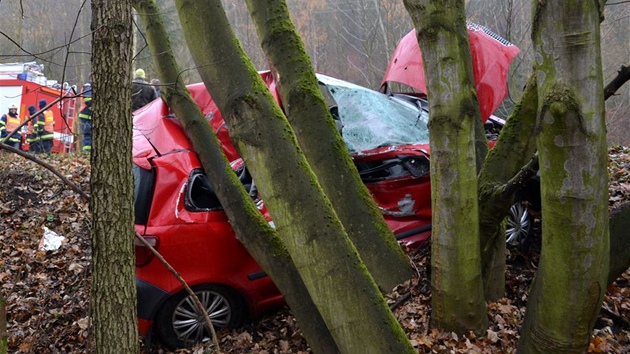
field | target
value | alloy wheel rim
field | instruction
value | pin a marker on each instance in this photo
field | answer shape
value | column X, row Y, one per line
column 189, row 323
column 518, row 224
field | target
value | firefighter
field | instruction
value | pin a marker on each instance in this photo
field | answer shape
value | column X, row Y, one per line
column 156, row 86
column 85, row 116
column 45, row 127
column 141, row 91
column 33, row 137
column 8, row 123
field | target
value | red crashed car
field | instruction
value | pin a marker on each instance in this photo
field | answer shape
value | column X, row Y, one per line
column 491, row 58
column 176, row 211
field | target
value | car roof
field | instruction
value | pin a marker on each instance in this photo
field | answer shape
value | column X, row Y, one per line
column 156, row 130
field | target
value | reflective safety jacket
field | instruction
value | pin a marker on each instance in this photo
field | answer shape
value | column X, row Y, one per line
column 9, row 124
column 86, row 107
column 32, row 136
column 45, row 126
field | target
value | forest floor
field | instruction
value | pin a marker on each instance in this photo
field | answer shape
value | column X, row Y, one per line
column 48, row 292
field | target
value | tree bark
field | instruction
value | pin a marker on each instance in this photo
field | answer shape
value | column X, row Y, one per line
column 111, row 182
column 325, row 150
column 569, row 286
column 515, row 146
column 3, row 326
column 619, row 242
column 337, row 280
column 262, row 242
column 457, row 294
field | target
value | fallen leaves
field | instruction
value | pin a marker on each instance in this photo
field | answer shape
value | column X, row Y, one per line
column 48, row 292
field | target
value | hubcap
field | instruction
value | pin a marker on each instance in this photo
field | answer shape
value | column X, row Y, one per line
column 188, row 322
column 518, row 224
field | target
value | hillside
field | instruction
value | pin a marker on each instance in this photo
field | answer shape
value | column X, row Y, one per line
column 47, row 292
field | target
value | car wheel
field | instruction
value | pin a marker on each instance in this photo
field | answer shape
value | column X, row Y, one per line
column 518, row 224
column 179, row 322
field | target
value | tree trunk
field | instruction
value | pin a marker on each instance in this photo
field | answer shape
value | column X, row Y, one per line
column 569, row 286
column 457, row 293
column 516, row 145
column 262, row 242
column 113, row 275
column 338, row 282
column 3, row 326
column 619, row 242
column 325, row 150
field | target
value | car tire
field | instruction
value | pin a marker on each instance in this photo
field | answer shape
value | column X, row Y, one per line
column 179, row 322
column 518, row 224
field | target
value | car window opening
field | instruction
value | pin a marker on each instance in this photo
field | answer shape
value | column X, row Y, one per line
column 200, row 195
column 144, row 181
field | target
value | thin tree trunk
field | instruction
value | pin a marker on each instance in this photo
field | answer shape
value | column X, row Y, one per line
column 323, row 146
column 262, row 242
column 457, row 294
column 571, row 280
column 619, row 242
column 515, row 147
column 338, row 282
column 3, row 326
column 113, row 262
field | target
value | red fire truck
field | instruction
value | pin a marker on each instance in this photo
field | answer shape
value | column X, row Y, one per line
column 24, row 84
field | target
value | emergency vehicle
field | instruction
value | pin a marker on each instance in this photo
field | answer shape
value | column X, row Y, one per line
column 24, row 84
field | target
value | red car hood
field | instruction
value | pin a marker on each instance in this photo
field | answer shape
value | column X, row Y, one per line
column 491, row 57
column 391, row 151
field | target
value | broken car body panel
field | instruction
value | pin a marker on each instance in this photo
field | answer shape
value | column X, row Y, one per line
column 378, row 129
column 196, row 241
column 491, row 58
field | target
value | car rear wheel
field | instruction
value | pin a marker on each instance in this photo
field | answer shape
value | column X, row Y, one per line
column 180, row 323
column 518, row 224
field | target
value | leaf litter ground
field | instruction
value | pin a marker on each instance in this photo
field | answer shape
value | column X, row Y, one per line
column 47, row 292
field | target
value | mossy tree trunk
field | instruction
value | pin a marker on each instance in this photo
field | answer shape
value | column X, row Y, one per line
column 457, row 294
column 337, row 280
column 619, row 227
column 569, row 286
column 515, row 147
column 325, row 150
column 3, row 326
column 251, row 228
column 113, row 263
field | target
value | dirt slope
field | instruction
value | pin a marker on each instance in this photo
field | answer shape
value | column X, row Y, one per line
column 47, row 292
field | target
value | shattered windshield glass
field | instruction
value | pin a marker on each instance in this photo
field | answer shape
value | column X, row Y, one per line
column 372, row 119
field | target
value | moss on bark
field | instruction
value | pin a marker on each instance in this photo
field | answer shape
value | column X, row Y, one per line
column 569, row 286
column 457, row 293
column 323, row 146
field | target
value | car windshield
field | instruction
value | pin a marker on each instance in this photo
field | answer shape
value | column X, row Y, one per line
column 371, row 119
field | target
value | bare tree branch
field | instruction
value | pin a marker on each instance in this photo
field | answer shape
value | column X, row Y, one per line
column 39, row 55
column 38, row 161
column 623, row 75
column 526, row 172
